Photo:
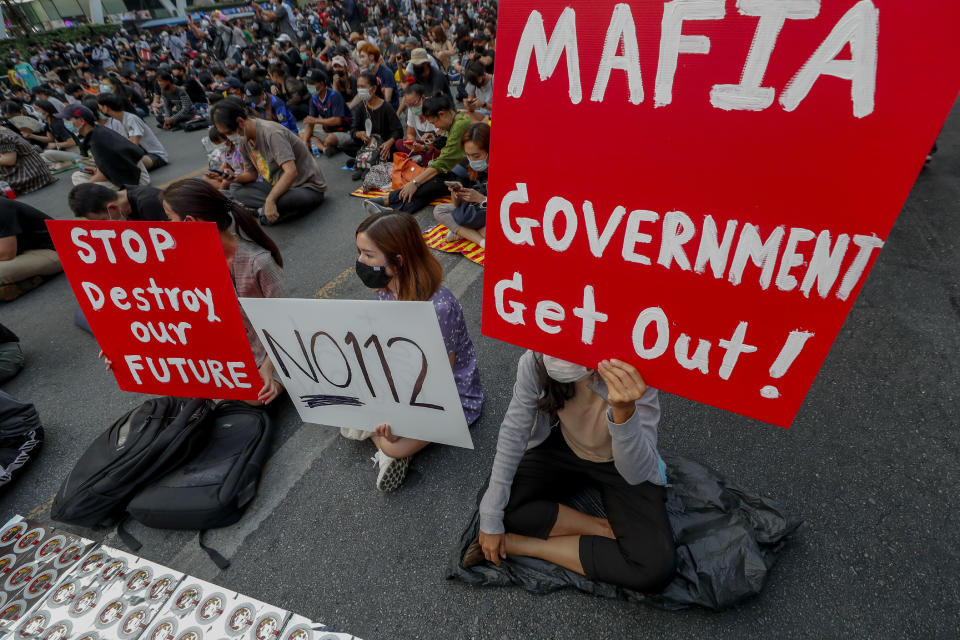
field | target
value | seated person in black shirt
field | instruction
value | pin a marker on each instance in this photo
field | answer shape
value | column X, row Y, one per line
column 382, row 118
column 26, row 250
column 119, row 162
column 97, row 202
column 178, row 108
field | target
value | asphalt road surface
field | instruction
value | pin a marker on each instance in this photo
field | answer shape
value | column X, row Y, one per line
column 870, row 464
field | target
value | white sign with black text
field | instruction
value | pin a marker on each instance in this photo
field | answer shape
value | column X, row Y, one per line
column 359, row 363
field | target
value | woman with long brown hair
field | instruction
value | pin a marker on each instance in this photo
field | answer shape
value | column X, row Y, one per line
column 253, row 258
column 394, row 260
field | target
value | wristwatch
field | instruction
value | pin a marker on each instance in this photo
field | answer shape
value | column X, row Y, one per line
column 414, row 181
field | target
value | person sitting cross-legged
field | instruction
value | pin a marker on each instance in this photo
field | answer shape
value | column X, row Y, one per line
column 292, row 182
column 27, row 256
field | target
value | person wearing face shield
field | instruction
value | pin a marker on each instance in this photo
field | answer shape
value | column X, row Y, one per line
column 569, row 427
column 269, row 107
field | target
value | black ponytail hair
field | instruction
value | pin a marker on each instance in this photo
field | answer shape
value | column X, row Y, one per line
column 201, row 200
column 440, row 101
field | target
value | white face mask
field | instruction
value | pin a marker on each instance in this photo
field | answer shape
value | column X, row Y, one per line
column 236, row 138
column 364, row 93
column 563, row 371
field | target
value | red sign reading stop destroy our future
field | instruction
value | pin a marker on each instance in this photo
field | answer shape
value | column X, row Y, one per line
column 700, row 187
column 160, row 302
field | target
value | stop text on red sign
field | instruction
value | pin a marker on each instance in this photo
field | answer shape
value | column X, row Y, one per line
column 159, row 299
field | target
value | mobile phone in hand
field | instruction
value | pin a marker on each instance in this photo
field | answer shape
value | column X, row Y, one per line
column 456, row 186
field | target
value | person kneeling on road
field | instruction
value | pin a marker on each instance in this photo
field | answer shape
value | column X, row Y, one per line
column 394, row 260
column 27, row 255
column 568, row 428
column 292, row 183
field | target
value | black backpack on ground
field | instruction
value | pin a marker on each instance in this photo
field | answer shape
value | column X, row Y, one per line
column 215, row 486
column 20, row 435
column 140, row 447
column 198, row 123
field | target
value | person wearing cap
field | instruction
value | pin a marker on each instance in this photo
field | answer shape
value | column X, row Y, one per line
column 269, row 107
column 177, row 106
column 136, row 131
column 426, row 72
column 369, row 57
column 329, row 111
column 118, row 161
column 344, row 83
column 292, row 182
column 21, row 165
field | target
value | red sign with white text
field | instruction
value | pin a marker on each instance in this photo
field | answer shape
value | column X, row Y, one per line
column 700, row 187
column 159, row 299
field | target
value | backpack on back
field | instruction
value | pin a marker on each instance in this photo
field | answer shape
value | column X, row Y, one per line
column 214, row 487
column 140, row 447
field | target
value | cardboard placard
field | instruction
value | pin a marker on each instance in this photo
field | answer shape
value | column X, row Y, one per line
column 361, row 363
column 710, row 182
column 159, row 299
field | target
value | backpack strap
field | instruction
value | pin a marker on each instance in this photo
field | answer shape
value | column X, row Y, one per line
column 126, row 537
column 221, row 562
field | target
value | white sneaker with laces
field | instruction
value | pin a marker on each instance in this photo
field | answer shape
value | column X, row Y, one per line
column 392, row 471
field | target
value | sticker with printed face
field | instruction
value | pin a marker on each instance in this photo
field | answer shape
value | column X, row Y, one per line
column 110, row 613
column 240, row 618
column 163, row 630
column 28, row 540
column 20, row 577
column 7, row 562
column 51, row 547
column 14, row 610
column 93, row 562
column 63, row 594
column 33, row 626
column 70, row 554
column 134, row 623
column 267, row 627
column 11, row 533
column 138, row 580
column 59, row 631
column 161, row 588
column 85, row 601
column 113, row 569
column 193, row 633
column 299, row 632
column 41, row 584
column 187, row 598
column 211, row 608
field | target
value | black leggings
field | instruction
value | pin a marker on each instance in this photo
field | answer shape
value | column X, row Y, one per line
column 431, row 190
column 296, row 201
column 642, row 556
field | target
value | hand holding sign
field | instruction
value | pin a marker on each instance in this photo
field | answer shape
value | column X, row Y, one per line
column 160, row 302
column 359, row 364
column 779, row 141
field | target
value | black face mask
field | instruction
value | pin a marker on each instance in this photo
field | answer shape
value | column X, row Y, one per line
column 373, row 277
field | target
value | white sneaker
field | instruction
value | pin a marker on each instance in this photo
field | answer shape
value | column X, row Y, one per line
column 452, row 237
column 392, row 471
column 355, row 434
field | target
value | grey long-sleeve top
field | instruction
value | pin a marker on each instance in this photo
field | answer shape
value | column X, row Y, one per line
column 634, row 442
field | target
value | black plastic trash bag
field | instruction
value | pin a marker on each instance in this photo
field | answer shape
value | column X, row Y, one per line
column 727, row 542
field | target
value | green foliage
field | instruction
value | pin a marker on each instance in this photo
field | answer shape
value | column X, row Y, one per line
column 67, row 34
